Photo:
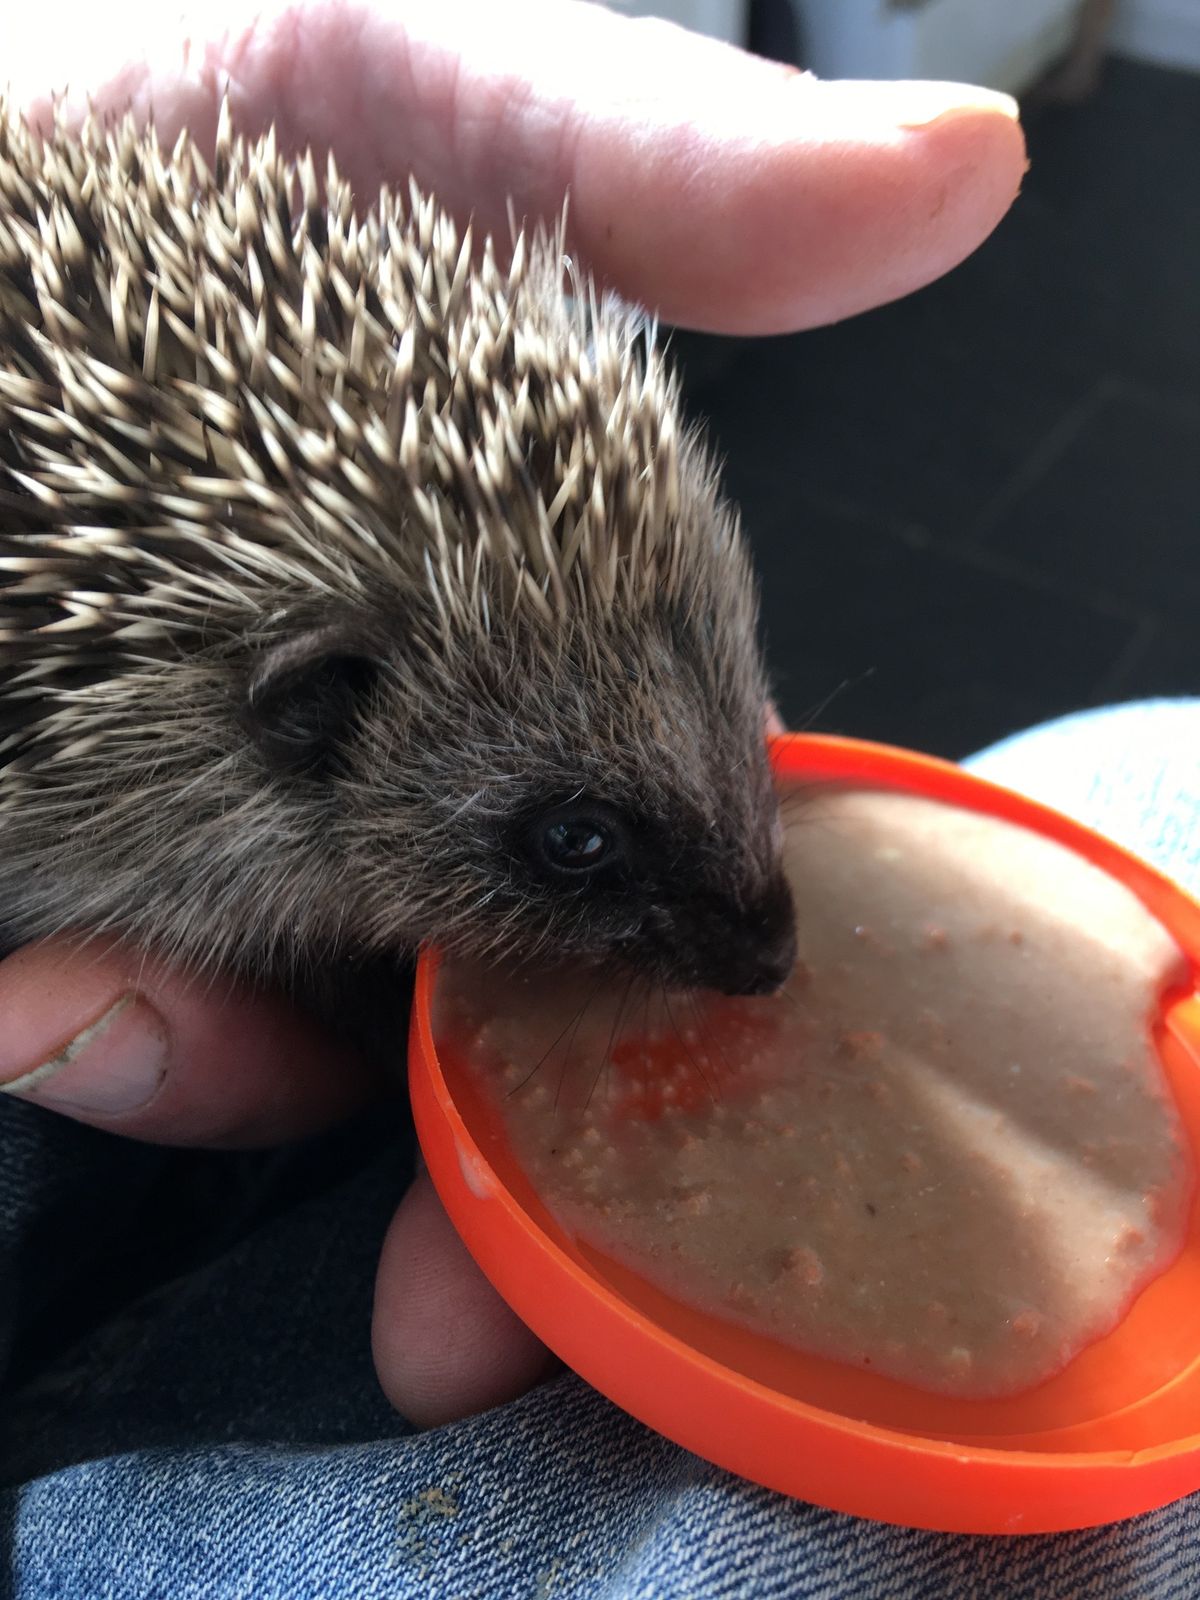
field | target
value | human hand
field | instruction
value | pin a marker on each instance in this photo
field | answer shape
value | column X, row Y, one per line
column 725, row 192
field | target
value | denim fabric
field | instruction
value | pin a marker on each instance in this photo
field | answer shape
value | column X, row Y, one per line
column 189, row 1408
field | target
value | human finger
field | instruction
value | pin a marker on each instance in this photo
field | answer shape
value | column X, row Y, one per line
column 100, row 1033
column 726, row 192
column 445, row 1344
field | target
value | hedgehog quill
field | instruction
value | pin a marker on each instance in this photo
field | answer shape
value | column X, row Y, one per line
column 357, row 589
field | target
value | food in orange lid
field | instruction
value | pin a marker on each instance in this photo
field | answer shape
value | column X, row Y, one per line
column 915, row 1239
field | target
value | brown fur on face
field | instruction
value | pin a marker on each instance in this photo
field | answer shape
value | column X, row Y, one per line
column 334, row 559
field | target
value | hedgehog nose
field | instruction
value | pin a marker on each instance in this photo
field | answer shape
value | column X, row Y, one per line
column 761, row 971
column 761, row 959
column 770, row 973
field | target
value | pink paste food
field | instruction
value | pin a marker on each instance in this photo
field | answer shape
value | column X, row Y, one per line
column 946, row 1152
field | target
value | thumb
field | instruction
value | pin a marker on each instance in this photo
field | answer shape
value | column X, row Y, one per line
column 101, row 1033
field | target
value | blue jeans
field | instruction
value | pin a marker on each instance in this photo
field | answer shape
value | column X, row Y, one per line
column 188, row 1405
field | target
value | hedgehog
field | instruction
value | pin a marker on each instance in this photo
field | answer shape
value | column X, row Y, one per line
column 362, row 586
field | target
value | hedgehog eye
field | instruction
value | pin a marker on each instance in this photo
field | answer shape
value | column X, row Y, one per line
column 302, row 699
column 579, row 841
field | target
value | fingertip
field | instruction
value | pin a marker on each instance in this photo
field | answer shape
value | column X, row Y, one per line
column 96, row 1030
column 845, row 210
column 446, row 1346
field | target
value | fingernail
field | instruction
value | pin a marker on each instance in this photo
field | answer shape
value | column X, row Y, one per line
column 911, row 103
column 921, row 103
column 115, row 1064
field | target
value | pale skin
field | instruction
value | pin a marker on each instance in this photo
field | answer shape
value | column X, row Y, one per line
column 730, row 194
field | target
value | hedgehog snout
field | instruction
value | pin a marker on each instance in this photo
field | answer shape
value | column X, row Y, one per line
column 733, row 947
column 760, row 947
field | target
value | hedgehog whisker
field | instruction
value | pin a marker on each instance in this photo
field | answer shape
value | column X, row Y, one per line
column 572, row 1021
column 712, row 1042
column 606, row 1054
column 571, row 1041
column 687, row 1049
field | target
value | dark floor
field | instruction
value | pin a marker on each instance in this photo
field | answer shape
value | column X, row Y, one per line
column 980, row 507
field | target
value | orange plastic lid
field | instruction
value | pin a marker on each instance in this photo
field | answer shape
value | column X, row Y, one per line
column 1116, row 1433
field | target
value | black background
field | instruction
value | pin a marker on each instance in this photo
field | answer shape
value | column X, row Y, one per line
column 980, row 507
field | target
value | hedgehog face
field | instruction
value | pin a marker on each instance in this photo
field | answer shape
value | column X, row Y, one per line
column 605, row 797
column 657, row 891
column 651, row 832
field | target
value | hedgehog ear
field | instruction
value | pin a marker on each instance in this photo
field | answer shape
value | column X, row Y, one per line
column 302, row 699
